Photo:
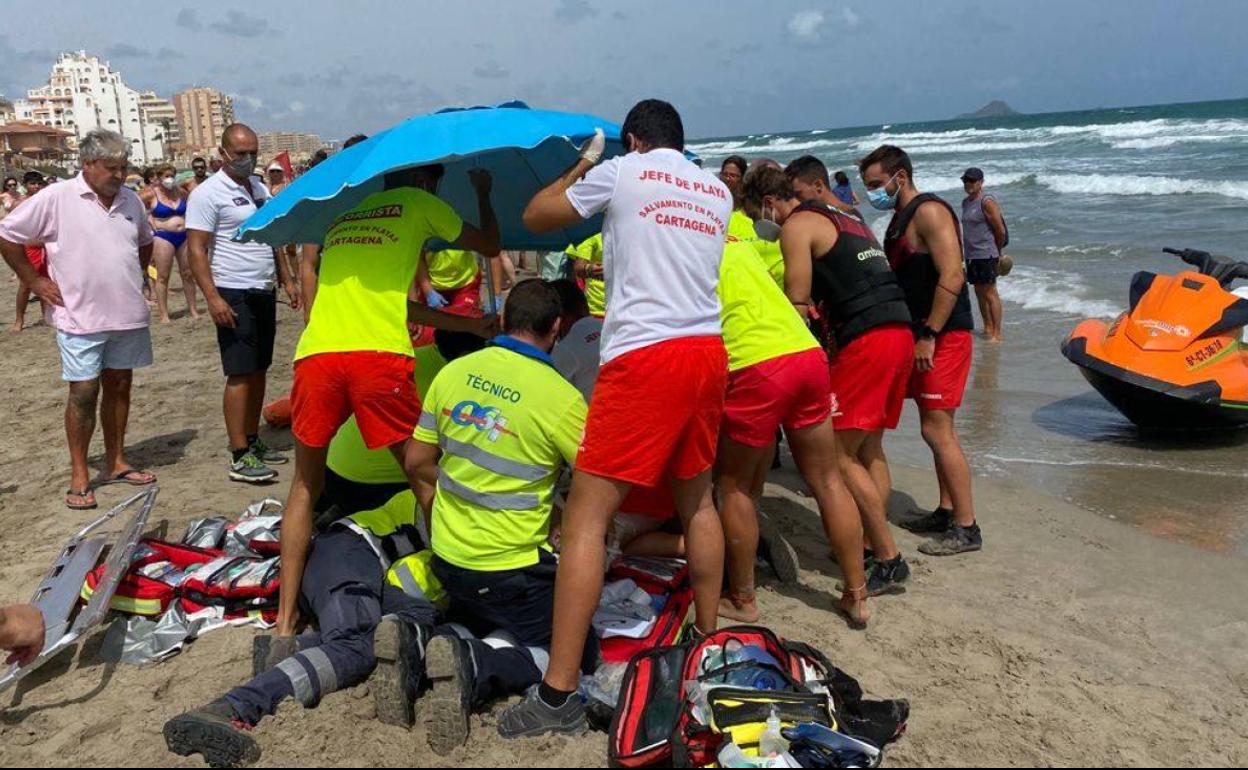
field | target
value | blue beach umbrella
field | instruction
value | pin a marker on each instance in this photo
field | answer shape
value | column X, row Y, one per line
column 524, row 149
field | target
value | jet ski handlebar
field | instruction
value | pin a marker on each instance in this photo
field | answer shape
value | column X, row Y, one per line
column 1225, row 272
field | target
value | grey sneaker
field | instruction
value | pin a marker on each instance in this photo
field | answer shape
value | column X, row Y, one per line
column 531, row 716
column 214, row 733
column 887, row 577
column 267, row 454
column 399, row 648
column 250, row 470
column 778, row 552
column 448, row 667
column 956, row 540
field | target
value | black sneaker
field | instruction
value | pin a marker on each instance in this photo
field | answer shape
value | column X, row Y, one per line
column 213, row 732
column 956, row 540
column 532, row 716
column 938, row 520
column 868, row 559
column 399, row 648
column 888, row 577
column 448, row 667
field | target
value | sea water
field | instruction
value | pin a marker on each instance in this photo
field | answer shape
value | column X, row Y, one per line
column 1091, row 198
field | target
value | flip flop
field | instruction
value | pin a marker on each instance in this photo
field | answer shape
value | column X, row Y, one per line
column 85, row 495
column 132, row 476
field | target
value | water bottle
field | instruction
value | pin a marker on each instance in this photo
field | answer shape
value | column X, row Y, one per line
column 772, row 744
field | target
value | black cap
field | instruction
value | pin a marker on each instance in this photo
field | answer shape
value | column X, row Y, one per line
column 973, row 175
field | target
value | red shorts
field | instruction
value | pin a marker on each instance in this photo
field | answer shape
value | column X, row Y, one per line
column 656, row 411
column 37, row 256
column 792, row 390
column 466, row 297
column 655, row 502
column 378, row 388
column 944, row 386
column 870, row 378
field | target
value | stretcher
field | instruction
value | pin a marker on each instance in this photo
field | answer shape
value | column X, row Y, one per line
column 57, row 595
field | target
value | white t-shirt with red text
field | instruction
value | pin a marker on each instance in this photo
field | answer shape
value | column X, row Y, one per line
column 577, row 356
column 663, row 238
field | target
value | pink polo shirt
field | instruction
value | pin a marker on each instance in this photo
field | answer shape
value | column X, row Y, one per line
column 93, row 254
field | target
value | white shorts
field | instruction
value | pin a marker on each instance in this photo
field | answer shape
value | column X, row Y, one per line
column 85, row 356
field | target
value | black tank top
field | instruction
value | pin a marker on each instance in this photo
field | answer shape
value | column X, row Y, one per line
column 916, row 270
column 853, row 285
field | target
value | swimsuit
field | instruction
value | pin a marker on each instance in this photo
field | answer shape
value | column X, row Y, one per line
column 161, row 211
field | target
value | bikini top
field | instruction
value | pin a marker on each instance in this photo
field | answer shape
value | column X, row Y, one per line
column 161, row 211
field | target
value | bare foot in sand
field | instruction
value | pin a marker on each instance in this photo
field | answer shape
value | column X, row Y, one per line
column 741, row 608
column 17, row 326
column 853, row 605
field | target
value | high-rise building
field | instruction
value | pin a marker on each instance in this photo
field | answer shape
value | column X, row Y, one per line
column 297, row 144
column 203, row 114
column 160, row 112
column 84, row 93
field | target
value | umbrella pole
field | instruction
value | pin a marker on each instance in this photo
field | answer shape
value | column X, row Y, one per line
column 490, row 290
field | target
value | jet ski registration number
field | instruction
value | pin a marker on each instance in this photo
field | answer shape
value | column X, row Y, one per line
column 1205, row 354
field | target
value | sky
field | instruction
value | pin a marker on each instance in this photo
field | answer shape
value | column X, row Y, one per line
column 337, row 69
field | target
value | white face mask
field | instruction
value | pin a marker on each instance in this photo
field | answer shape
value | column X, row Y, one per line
column 168, row 183
column 765, row 228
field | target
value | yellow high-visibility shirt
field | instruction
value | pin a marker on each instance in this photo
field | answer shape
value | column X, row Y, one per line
column 506, row 421
column 367, row 266
column 759, row 321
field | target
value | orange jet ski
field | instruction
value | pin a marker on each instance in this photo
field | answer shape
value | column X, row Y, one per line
column 1178, row 359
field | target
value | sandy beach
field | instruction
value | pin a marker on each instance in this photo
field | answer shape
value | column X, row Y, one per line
column 1071, row 640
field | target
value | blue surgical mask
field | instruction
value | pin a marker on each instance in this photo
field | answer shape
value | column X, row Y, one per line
column 880, row 198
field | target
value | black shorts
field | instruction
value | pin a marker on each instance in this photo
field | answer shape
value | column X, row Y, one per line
column 248, row 347
column 982, row 272
column 353, row 496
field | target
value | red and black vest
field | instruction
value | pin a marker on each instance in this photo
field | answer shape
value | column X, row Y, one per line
column 852, row 285
column 916, row 270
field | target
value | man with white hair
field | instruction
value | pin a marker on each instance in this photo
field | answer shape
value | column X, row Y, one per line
column 99, row 244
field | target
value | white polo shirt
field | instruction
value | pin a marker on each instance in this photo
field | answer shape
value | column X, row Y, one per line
column 218, row 206
column 576, row 356
column 663, row 238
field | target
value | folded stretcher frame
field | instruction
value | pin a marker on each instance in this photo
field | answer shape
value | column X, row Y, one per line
column 58, row 593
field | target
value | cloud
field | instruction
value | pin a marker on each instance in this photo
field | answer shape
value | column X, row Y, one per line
column 239, row 24
column 491, row 70
column 807, row 26
column 297, row 107
column 852, row 19
column 187, row 19
column 573, row 11
column 253, row 102
column 125, row 51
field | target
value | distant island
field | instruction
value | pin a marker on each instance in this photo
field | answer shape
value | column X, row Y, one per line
column 993, row 109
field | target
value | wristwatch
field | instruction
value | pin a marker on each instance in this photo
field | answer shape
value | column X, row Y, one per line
column 927, row 333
